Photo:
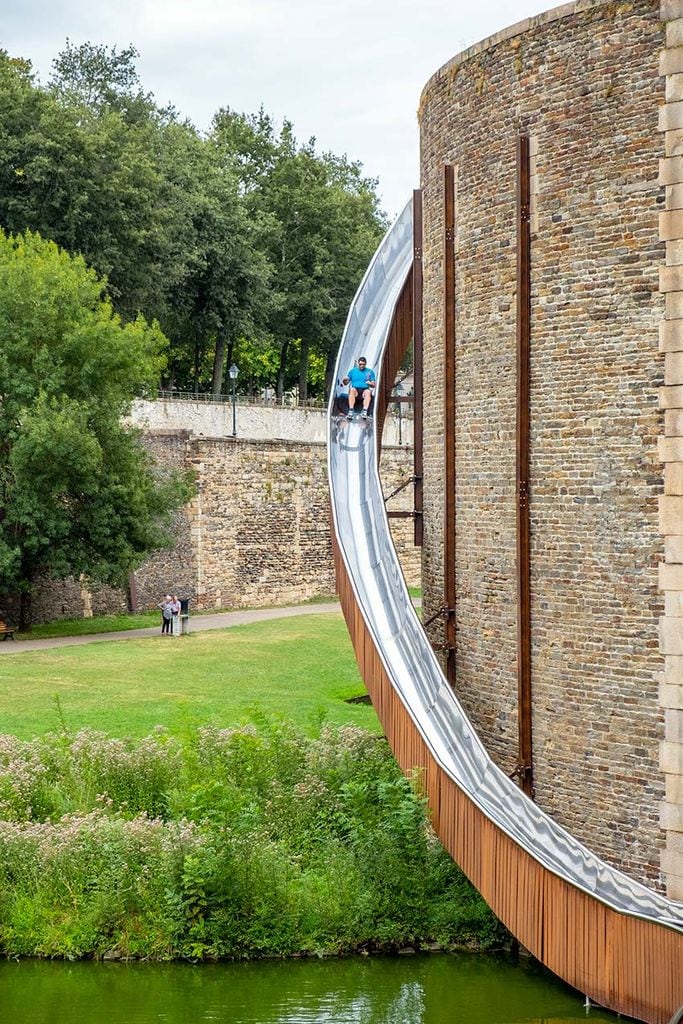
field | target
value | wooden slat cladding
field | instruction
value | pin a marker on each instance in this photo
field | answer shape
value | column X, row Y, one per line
column 418, row 367
column 632, row 966
column 400, row 336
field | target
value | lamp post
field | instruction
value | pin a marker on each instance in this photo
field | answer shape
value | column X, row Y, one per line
column 232, row 374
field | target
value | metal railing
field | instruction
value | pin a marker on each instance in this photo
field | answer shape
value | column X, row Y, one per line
column 288, row 401
column 398, row 409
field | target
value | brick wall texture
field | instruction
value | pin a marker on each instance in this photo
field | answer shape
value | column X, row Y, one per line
column 584, row 82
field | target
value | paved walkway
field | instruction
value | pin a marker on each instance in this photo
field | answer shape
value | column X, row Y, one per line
column 198, row 623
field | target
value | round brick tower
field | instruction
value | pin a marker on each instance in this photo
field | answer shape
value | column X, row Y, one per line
column 597, row 88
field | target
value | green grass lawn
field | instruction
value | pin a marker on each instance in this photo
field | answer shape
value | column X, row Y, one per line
column 300, row 668
column 86, row 627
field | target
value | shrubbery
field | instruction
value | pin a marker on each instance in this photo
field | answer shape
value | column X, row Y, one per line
column 231, row 843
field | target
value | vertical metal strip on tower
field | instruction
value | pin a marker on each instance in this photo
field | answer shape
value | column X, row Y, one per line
column 449, row 419
column 417, row 368
column 524, row 712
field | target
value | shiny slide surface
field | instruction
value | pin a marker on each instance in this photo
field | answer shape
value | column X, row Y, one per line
column 381, row 595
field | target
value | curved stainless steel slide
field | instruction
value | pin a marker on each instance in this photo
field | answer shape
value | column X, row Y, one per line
column 362, row 531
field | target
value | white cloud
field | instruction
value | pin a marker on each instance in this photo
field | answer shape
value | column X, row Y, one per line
column 350, row 73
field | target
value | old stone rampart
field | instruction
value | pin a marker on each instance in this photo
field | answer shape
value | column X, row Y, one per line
column 584, row 82
column 258, row 530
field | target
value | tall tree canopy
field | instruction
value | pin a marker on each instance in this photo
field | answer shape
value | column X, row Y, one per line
column 78, row 494
column 321, row 223
column 245, row 245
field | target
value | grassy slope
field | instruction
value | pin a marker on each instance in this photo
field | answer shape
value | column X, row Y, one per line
column 301, row 668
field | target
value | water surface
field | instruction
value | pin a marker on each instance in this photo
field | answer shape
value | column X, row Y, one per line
column 430, row 989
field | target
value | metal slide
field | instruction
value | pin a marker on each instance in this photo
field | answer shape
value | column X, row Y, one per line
column 365, row 544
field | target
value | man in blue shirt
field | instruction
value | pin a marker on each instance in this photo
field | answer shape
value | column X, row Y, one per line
column 361, row 380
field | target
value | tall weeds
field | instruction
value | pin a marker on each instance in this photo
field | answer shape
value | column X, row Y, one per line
column 237, row 842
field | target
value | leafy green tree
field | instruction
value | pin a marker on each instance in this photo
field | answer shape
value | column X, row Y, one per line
column 225, row 291
column 130, row 213
column 320, row 224
column 78, row 492
column 98, row 78
column 86, row 165
column 244, row 234
column 93, row 163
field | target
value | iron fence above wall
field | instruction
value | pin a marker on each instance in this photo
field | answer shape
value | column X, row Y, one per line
column 287, row 402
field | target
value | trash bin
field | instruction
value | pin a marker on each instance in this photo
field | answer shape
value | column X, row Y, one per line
column 184, row 615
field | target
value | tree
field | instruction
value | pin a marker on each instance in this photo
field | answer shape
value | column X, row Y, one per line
column 98, row 78
column 224, row 293
column 94, row 164
column 244, row 234
column 99, row 170
column 78, row 492
column 321, row 224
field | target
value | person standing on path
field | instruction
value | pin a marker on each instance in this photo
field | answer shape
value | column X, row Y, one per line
column 362, row 381
column 166, row 614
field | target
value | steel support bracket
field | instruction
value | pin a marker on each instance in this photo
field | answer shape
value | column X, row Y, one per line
column 525, row 774
column 444, row 612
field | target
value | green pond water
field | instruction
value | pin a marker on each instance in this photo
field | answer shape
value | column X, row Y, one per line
column 430, row 989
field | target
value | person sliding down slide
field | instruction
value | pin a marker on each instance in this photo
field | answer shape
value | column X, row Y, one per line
column 362, row 381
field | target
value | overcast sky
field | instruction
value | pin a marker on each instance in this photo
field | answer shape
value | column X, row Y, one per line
column 349, row 72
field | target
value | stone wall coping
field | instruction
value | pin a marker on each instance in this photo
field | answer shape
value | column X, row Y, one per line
column 518, row 29
column 181, row 432
column 259, row 442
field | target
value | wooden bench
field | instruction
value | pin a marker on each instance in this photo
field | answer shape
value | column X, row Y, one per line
column 6, row 632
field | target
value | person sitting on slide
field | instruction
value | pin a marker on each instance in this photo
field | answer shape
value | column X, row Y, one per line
column 361, row 380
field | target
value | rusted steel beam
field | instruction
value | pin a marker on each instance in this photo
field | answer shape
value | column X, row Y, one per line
column 449, row 416
column 417, row 367
column 525, row 769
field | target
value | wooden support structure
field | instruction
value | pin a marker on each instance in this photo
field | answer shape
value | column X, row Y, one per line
column 400, row 333
column 406, row 325
column 418, row 378
column 449, row 418
column 524, row 705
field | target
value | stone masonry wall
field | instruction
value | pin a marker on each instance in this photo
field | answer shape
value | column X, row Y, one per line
column 583, row 81
column 257, row 532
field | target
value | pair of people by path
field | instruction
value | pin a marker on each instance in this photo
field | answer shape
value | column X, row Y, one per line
column 170, row 610
column 361, row 381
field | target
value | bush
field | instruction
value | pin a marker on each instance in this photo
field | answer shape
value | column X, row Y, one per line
column 237, row 842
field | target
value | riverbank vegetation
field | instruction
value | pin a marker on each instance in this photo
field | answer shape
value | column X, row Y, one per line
column 245, row 842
